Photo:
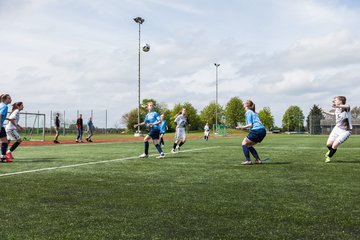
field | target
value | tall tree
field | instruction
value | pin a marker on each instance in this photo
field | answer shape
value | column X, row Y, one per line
column 313, row 120
column 234, row 111
column 266, row 118
column 208, row 114
column 355, row 112
column 293, row 119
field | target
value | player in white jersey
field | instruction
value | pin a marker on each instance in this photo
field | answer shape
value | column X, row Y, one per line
column 342, row 130
column 12, row 128
column 206, row 132
column 181, row 120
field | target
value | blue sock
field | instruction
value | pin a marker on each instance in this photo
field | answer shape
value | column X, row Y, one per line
column 246, row 152
column 146, row 144
column 158, row 147
column 4, row 147
column 254, row 153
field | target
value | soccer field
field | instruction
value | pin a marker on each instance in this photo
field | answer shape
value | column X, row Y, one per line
column 103, row 191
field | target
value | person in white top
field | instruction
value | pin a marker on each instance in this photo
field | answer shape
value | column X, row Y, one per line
column 342, row 130
column 206, row 132
column 12, row 128
column 181, row 120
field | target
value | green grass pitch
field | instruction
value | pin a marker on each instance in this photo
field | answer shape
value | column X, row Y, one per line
column 201, row 193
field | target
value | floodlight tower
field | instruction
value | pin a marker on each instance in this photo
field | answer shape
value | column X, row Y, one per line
column 216, row 99
column 140, row 21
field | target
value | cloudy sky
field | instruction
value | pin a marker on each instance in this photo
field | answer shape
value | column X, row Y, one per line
column 82, row 54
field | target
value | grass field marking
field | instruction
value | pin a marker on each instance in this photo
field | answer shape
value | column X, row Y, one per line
column 291, row 147
column 92, row 163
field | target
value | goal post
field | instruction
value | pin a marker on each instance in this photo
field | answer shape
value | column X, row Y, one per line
column 34, row 126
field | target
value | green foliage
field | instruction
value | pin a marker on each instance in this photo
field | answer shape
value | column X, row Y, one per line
column 234, row 112
column 266, row 118
column 190, row 111
column 313, row 120
column 293, row 119
column 355, row 112
column 208, row 114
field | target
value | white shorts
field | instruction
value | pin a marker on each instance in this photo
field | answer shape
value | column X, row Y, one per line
column 12, row 135
column 180, row 134
column 338, row 134
column 206, row 133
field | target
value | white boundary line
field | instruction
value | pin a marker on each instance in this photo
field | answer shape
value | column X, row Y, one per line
column 91, row 163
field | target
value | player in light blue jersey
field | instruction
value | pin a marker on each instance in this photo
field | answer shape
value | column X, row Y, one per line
column 256, row 135
column 163, row 129
column 5, row 100
column 152, row 120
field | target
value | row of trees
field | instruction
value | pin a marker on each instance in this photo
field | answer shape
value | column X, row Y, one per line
column 231, row 114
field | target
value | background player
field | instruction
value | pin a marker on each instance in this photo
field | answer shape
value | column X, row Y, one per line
column 90, row 129
column 152, row 119
column 12, row 126
column 206, row 132
column 342, row 130
column 181, row 120
column 163, row 129
column 57, row 127
column 5, row 100
column 256, row 135
column 80, row 128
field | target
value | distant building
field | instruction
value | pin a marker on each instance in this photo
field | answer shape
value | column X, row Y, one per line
column 328, row 124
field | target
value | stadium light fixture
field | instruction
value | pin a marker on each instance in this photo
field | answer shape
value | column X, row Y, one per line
column 140, row 21
column 216, row 99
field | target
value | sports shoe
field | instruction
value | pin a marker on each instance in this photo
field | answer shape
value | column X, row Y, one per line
column 173, row 151
column 327, row 154
column 327, row 159
column 9, row 155
column 258, row 161
column 143, row 155
column 246, row 163
column 6, row 160
column 162, row 155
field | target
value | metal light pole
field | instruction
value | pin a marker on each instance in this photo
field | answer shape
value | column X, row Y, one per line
column 216, row 99
column 140, row 21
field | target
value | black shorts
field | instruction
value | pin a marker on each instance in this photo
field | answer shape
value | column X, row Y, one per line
column 257, row 135
column 154, row 134
column 2, row 133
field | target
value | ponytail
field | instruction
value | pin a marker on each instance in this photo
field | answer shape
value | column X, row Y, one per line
column 16, row 106
column 250, row 105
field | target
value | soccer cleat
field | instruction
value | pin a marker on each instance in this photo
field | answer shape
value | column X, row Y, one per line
column 327, row 159
column 327, row 154
column 258, row 161
column 9, row 155
column 246, row 163
column 173, row 151
column 143, row 155
column 162, row 155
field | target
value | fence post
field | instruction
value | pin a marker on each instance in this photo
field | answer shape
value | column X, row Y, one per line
column 105, row 121
column 50, row 122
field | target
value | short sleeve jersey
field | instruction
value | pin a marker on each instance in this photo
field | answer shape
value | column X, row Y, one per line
column 14, row 115
column 343, row 119
column 181, row 120
column 206, row 128
column 163, row 126
column 152, row 117
column 253, row 118
column 3, row 111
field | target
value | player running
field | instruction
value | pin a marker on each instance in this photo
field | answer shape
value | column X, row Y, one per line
column 163, row 129
column 152, row 120
column 181, row 120
column 256, row 135
column 12, row 126
column 5, row 100
column 206, row 132
column 342, row 130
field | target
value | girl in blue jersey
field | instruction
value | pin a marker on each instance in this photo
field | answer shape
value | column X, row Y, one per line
column 256, row 135
column 152, row 120
column 5, row 100
column 163, row 129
